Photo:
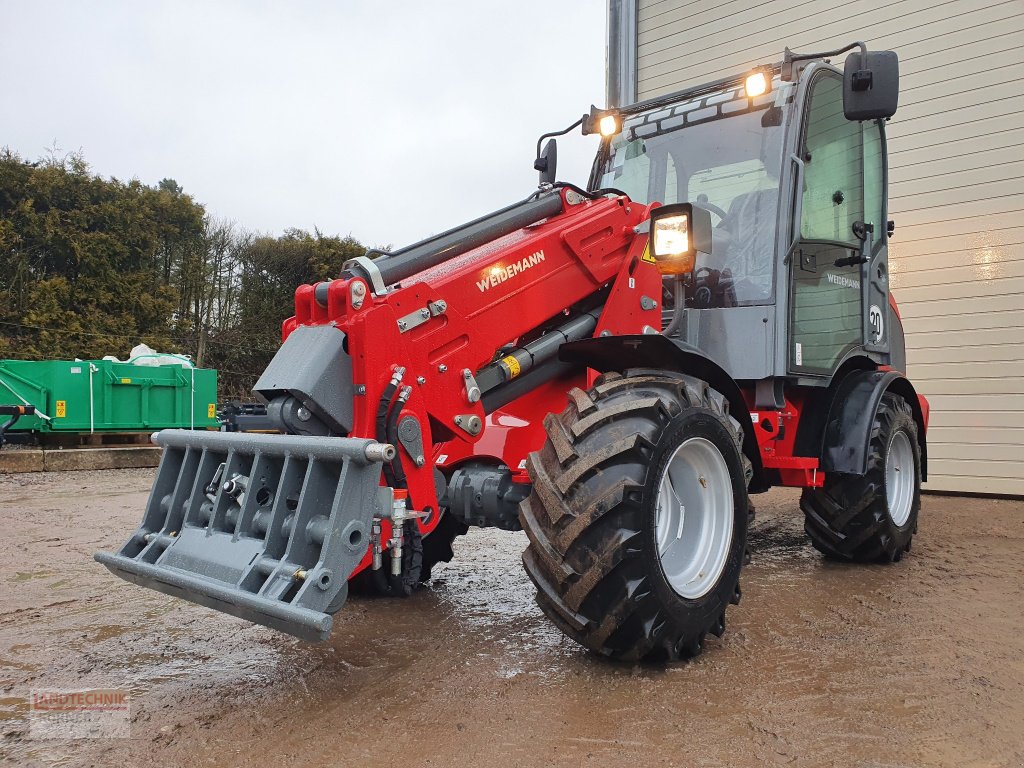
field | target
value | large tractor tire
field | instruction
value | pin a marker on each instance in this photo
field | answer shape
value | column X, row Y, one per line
column 871, row 517
column 369, row 583
column 638, row 515
column 419, row 555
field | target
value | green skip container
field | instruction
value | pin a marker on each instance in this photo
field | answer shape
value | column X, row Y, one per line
column 108, row 396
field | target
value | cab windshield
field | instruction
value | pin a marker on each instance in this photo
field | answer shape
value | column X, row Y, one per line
column 723, row 152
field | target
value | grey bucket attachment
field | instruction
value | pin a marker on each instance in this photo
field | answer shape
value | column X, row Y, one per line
column 264, row 527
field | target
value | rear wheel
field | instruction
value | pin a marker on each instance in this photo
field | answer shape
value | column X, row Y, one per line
column 638, row 515
column 871, row 517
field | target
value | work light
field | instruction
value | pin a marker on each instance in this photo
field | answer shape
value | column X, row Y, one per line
column 678, row 233
column 757, row 83
column 608, row 125
column 605, row 122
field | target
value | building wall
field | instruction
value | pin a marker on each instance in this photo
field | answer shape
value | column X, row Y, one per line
column 956, row 188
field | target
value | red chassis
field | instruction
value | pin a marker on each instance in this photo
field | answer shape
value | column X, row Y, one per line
column 497, row 295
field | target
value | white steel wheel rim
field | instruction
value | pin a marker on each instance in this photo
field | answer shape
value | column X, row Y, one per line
column 695, row 508
column 899, row 477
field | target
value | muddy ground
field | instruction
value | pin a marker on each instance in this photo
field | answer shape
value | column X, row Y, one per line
column 918, row 663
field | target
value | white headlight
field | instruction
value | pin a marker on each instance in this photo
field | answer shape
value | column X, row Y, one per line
column 672, row 235
column 678, row 232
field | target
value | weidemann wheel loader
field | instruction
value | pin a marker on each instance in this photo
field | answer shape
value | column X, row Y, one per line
column 715, row 308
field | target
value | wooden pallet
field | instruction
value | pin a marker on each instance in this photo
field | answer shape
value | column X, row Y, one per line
column 94, row 440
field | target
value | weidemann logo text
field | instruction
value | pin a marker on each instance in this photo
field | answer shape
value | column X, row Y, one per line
column 846, row 282
column 501, row 274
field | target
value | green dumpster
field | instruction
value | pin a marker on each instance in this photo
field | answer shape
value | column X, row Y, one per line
column 108, row 396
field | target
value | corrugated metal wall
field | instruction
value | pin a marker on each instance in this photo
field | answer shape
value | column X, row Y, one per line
column 956, row 180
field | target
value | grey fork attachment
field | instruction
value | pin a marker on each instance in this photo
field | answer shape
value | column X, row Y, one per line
column 264, row 527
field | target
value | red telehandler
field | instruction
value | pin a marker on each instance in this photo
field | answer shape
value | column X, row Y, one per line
column 714, row 305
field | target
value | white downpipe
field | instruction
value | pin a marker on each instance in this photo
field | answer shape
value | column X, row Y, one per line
column 92, row 413
column 192, row 409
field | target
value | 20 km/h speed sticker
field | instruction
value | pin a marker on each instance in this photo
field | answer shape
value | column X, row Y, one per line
column 877, row 323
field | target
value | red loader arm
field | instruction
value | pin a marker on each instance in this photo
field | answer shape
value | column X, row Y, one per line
column 447, row 323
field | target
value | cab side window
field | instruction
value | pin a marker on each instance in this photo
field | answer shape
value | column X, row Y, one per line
column 834, row 167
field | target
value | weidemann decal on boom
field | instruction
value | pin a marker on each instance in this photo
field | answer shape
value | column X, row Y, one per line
column 501, row 274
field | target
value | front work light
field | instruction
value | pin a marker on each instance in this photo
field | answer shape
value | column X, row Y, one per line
column 603, row 121
column 678, row 233
column 757, row 84
column 609, row 125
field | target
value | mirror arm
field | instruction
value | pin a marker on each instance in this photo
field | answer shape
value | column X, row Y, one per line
column 788, row 57
column 553, row 134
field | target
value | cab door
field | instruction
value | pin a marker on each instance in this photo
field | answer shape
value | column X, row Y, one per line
column 838, row 266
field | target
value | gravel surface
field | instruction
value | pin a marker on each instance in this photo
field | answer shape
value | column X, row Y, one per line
column 912, row 664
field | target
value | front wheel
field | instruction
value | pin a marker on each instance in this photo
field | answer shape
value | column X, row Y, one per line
column 871, row 517
column 638, row 515
column 437, row 545
column 382, row 583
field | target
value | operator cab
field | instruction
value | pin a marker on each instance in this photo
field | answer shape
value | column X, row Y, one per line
column 790, row 162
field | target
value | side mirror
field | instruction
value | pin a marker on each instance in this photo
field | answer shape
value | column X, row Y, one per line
column 547, row 163
column 871, row 85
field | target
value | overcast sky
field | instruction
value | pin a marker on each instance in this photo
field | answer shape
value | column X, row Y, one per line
column 386, row 121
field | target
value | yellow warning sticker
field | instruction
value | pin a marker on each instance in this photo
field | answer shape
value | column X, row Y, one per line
column 62, row 409
column 211, row 411
column 647, row 254
column 513, row 365
column 126, row 381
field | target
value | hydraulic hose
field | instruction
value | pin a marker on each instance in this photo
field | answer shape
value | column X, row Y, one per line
column 392, row 434
column 677, row 312
column 397, row 583
column 383, row 406
column 378, row 578
column 594, row 194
